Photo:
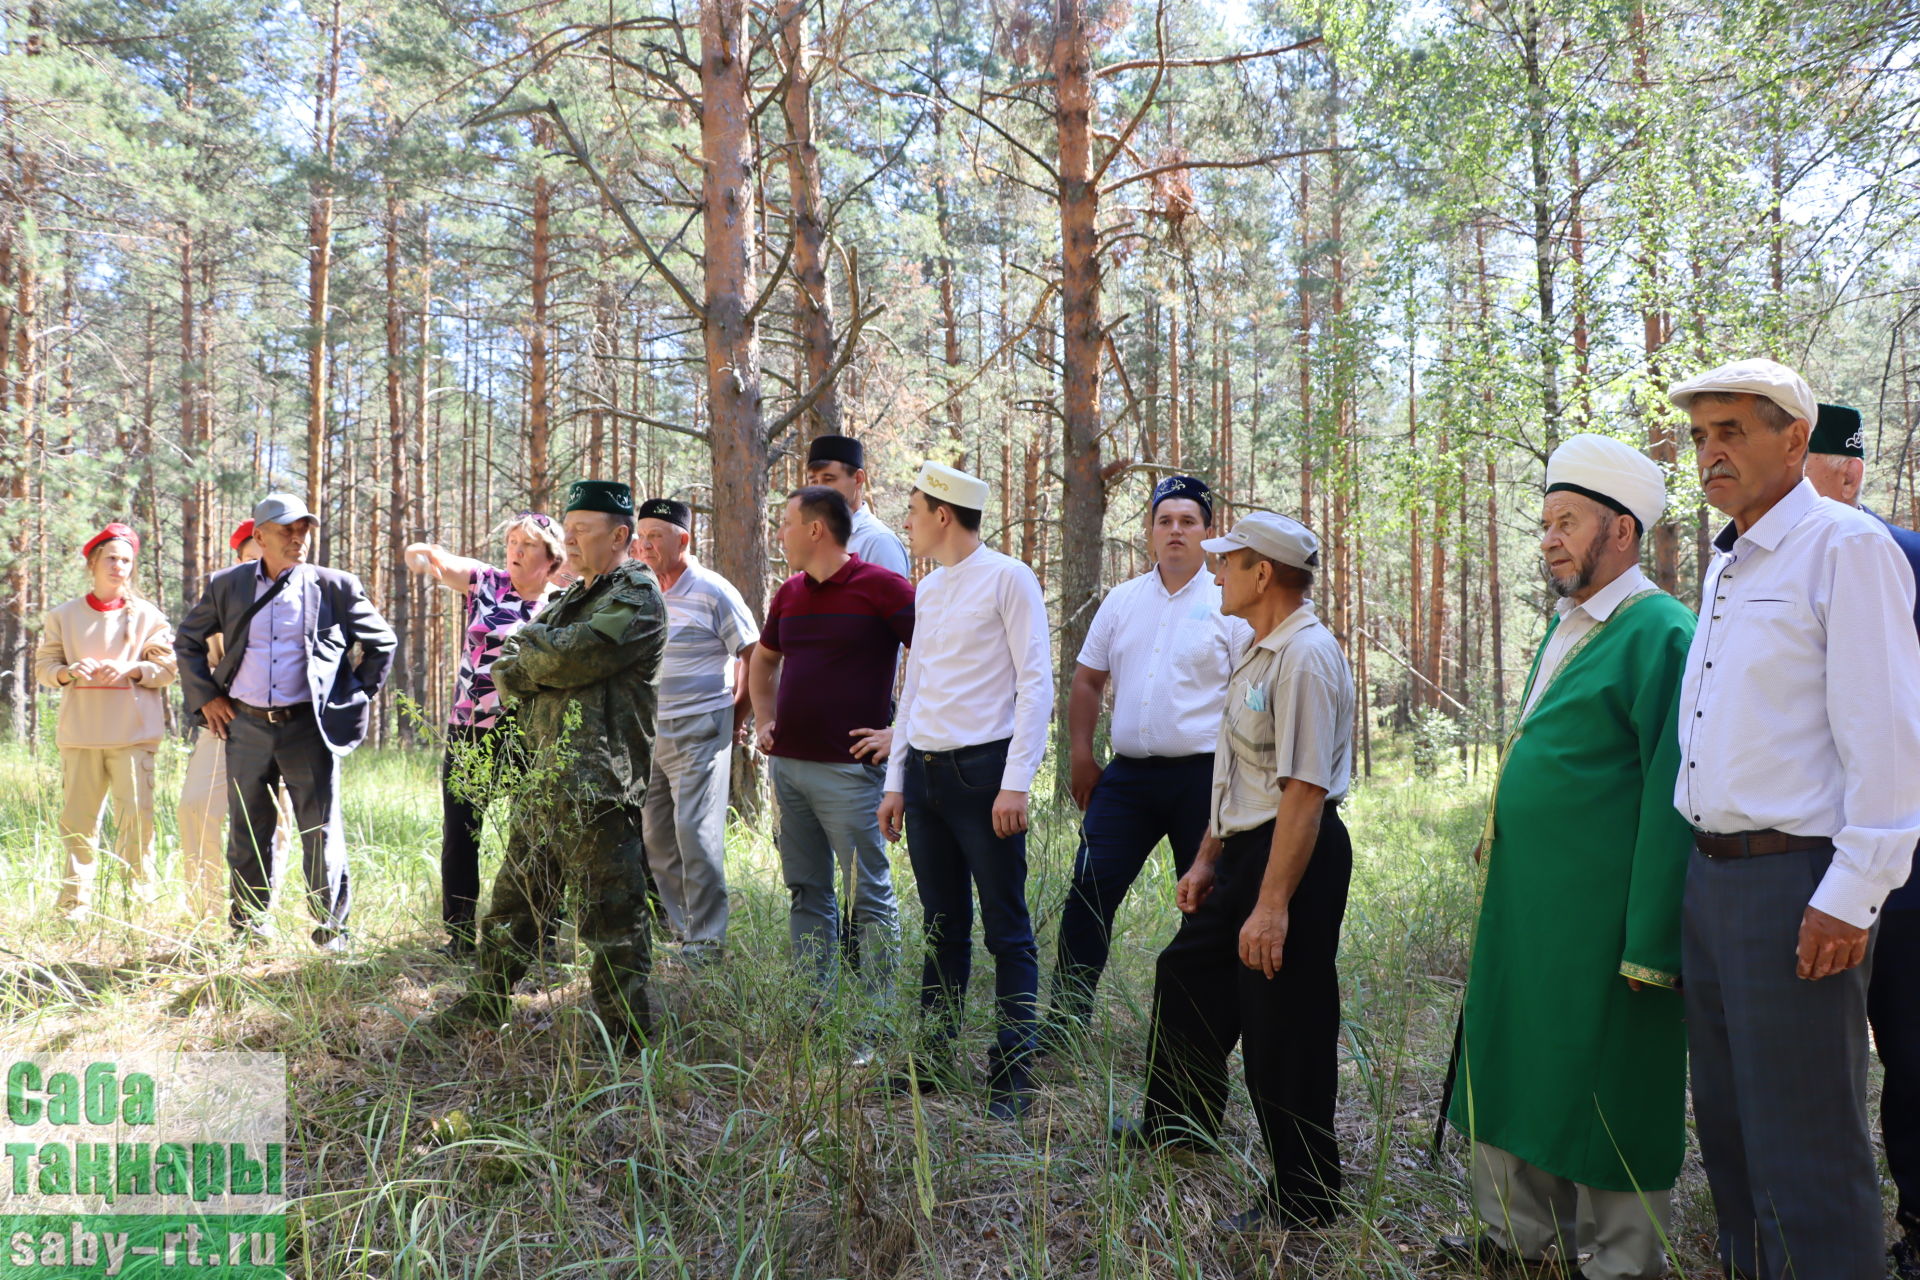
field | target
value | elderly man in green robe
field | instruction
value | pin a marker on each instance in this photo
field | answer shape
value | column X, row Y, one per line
column 1573, row 1056
column 584, row 678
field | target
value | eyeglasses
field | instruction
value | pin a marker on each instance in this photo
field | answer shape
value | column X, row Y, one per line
column 540, row 520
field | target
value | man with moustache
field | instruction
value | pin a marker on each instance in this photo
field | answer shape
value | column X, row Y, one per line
column 1163, row 646
column 1836, row 467
column 583, row 678
column 1573, row 1044
column 1799, row 737
column 1255, row 960
column 288, row 704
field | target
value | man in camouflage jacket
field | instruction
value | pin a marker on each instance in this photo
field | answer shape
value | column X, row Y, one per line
column 584, row 677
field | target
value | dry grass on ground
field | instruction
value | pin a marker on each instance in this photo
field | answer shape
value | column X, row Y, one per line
column 745, row 1144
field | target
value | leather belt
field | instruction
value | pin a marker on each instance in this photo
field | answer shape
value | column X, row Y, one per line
column 1757, row 844
column 272, row 715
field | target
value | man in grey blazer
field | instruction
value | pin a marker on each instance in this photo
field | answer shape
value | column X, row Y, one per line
column 288, row 703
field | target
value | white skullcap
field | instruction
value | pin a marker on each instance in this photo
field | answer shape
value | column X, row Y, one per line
column 1768, row 379
column 950, row 484
column 1612, row 473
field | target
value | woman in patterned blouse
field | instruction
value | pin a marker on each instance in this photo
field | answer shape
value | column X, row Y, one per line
column 499, row 603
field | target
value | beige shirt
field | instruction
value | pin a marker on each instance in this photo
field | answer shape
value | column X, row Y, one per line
column 1289, row 714
column 107, row 713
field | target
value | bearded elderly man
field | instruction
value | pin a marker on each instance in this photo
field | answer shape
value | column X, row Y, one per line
column 1573, row 1047
column 583, row 678
column 1800, row 774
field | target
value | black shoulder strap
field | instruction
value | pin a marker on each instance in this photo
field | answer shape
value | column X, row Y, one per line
column 259, row 603
column 236, row 638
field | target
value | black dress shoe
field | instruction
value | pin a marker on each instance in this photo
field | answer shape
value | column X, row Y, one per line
column 1903, row 1258
column 1009, row 1104
column 1131, row 1135
column 925, row 1076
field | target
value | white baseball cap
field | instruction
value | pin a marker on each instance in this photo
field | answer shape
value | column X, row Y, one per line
column 1768, row 379
column 1276, row 537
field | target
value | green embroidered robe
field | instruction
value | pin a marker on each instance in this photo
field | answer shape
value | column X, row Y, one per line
column 1562, row 1064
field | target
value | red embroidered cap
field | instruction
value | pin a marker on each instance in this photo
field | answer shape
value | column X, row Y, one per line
column 241, row 532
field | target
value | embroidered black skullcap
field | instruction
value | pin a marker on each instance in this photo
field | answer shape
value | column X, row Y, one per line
column 1838, row 431
column 837, row 449
column 1184, row 487
column 668, row 509
column 609, row 496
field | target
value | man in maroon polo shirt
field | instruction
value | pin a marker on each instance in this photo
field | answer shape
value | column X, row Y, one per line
column 821, row 680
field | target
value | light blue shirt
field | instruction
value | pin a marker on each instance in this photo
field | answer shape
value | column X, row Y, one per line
column 873, row 542
column 273, row 670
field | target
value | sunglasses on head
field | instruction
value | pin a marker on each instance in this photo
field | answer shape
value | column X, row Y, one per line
column 540, row 520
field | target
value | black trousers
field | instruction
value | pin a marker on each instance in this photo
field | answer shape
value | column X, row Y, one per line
column 1893, row 1007
column 1287, row 1026
column 1136, row 804
column 259, row 757
column 461, row 817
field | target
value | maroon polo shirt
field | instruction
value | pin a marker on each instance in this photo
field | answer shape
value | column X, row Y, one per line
column 838, row 642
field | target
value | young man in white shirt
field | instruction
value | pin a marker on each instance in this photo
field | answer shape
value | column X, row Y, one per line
column 840, row 463
column 968, row 738
column 1167, row 650
column 1799, row 735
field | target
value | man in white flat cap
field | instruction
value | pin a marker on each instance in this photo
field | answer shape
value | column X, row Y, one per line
column 968, row 738
column 1253, row 961
column 1800, row 774
column 1572, row 1069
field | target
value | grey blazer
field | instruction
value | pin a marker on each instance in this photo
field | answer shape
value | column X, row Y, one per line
column 339, row 616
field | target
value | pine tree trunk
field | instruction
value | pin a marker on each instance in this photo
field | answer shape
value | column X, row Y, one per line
column 1083, row 508
column 320, row 260
column 731, row 334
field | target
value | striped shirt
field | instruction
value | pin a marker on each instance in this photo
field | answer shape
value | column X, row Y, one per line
column 708, row 626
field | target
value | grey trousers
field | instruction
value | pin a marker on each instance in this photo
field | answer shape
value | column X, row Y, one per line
column 684, row 822
column 828, row 810
column 1779, row 1077
column 1531, row 1211
column 259, row 757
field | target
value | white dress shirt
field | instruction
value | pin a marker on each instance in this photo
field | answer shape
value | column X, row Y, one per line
column 980, row 668
column 1170, row 654
column 873, row 542
column 1578, row 619
column 1800, row 710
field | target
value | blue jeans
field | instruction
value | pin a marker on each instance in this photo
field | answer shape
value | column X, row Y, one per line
column 1137, row 803
column 949, row 799
column 828, row 809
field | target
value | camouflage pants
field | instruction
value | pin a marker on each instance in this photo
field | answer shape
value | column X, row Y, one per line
column 597, row 855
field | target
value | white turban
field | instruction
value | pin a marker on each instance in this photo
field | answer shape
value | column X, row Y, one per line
column 1613, row 474
column 1768, row 379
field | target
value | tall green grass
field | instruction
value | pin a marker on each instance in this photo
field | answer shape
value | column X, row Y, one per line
column 745, row 1142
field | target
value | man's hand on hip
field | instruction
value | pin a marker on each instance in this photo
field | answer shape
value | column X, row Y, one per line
column 219, row 713
column 1828, row 945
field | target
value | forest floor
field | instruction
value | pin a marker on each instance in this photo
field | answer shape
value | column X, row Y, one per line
column 746, row 1143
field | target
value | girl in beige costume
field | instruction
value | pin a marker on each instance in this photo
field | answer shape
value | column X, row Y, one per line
column 109, row 653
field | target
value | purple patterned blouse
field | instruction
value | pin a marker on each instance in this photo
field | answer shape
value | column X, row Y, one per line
column 494, row 612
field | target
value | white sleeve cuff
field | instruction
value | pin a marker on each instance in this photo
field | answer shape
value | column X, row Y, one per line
column 1016, row 778
column 897, row 767
column 1849, row 897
